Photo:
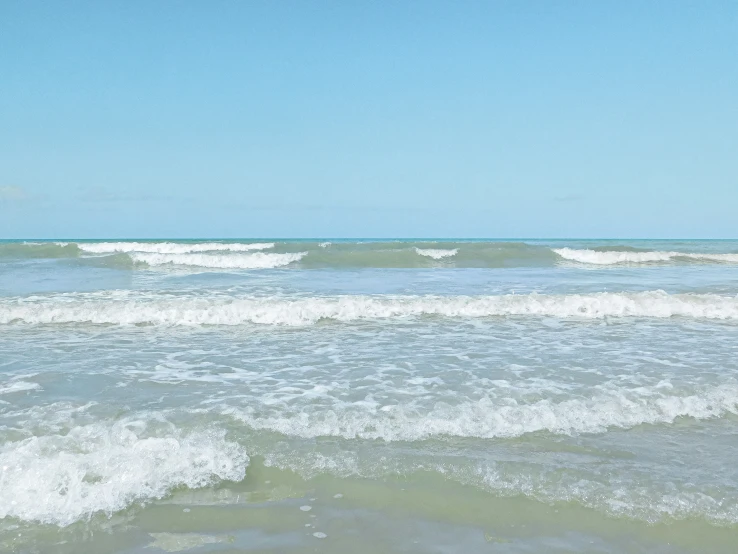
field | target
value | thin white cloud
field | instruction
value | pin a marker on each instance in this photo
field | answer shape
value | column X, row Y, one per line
column 11, row 193
column 569, row 198
column 104, row 194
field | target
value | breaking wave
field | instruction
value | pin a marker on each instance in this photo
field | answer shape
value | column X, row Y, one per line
column 312, row 255
column 258, row 260
column 170, row 247
column 120, row 308
column 612, row 257
column 60, row 479
column 394, row 254
column 436, row 253
column 495, row 417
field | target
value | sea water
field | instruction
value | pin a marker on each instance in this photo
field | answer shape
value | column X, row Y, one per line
column 368, row 396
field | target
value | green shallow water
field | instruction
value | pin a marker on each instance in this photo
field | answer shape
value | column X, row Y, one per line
column 480, row 396
column 414, row 513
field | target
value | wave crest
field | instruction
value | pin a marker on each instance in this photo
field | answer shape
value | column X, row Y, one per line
column 436, row 253
column 258, row 260
column 60, row 479
column 169, row 247
column 119, row 308
column 498, row 418
column 612, row 257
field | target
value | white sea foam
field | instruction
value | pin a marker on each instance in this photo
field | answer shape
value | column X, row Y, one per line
column 435, row 253
column 60, row 479
column 613, row 492
column 258, row 260
column 18, row 386
column 617, row 257
column 177, row 542
column 119, row 307
column 169, row 247
column 654, row 503
column 498, row 417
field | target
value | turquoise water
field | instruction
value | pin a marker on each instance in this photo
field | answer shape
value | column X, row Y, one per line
column 368, row 396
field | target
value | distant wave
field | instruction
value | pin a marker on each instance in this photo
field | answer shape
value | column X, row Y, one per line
column 258, row 260
column 328, row 255
column 436, row 253
column 424, row 254
column 600, row 257
column 169, row 247
column 119, row 308
column 40, row 250
column 313, row 255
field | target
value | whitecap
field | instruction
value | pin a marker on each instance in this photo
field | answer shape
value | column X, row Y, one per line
column 169, row 247
column 436, row 253
column 219, row 261
column 613, row 257
column 492, row 417
column 140, row 308
column 60, row 479
column 18, row 386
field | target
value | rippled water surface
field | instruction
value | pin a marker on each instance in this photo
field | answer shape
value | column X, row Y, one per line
column 366, row 396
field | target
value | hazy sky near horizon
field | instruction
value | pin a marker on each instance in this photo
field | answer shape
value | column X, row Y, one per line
column 369, row 119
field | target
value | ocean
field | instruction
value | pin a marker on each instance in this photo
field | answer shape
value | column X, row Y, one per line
column 368, row 396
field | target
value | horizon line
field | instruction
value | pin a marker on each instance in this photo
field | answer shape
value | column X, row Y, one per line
column 126, row 239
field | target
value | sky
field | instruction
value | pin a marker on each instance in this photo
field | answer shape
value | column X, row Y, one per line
column 132, row 119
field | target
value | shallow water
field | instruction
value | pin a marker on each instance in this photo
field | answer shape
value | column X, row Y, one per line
column 396, row 396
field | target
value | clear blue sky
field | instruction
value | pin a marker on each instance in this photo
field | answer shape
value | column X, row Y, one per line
column 368, row 119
